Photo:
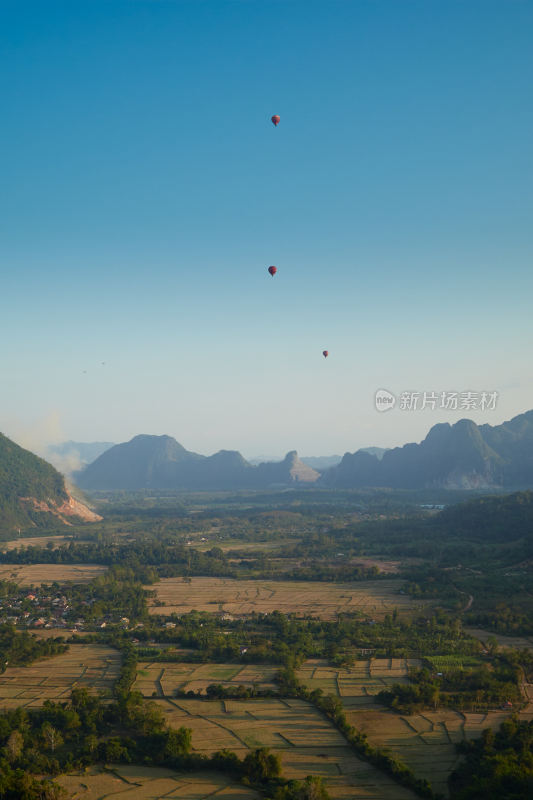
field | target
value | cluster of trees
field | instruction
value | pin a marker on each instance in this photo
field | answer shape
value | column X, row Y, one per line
column 498, row 765
column 216, row 691
column 19, row 649
column 166, row 558
column 475, row 688
column 281, row 638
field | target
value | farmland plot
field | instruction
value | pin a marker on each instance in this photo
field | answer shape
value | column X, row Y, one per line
column 425, row 742
column 319, row 599
column 36, row 574
column 164, row 678
column 131, row 782
column 358, row 685
column 91, row 666
column 306, row 741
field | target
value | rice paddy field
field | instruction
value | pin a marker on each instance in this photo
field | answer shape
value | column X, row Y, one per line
column 306, row 741
column 373, row 599
column 131, row 782
column 359, row 685
column 162, row 680
column 425, row 741
column 36, row 574
column 92, row 666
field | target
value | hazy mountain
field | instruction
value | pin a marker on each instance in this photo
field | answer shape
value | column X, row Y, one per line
column 32, row 492
column 379, row 452
column 460, row 456
column 321, row 463
column 160, row 462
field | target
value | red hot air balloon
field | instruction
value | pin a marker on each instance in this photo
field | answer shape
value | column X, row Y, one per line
column 325, row 353
column 276, row 119
column 272, row 270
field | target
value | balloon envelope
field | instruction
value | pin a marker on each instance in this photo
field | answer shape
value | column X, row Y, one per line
column 325, row 353
column 272, row 270
column 275, row 119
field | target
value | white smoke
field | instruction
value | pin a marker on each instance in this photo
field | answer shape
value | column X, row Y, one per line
column 39, row 436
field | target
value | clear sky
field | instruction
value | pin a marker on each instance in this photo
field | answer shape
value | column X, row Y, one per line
column 144, row 192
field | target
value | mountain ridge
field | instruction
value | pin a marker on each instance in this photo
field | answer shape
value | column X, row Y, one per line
column 160, row 462
column 459, row 456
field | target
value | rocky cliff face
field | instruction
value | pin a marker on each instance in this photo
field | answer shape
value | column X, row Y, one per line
column 69, row 511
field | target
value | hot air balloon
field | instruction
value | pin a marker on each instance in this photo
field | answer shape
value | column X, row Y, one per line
column 325, row 353
column 272, row 270
column 275, row 119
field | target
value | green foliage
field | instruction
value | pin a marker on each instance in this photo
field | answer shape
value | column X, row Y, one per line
column 23, row 474
column 496, row 765
column 485, row 686
column 21, row 648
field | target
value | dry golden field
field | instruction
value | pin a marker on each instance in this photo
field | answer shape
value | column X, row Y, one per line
column 36, row 574
column 163, row 679
column 92, row 666
column 131, row 782
column 358, row 685
column 306, row 741
column 425, row 742
column 325, row 600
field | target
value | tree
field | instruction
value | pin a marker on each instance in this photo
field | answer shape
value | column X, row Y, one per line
column 51, row 736
column 262, row 765
column 14, row 745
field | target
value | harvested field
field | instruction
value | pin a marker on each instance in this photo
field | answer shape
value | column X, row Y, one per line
column 306, row 741
column 131, row 782
column 36, row 574
column 358, row 685
column 163, row 679
column 34, row 541
column 325, row 600
column 425, row 741
column 92, row 666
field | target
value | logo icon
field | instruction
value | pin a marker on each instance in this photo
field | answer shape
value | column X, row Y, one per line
column 384, row 400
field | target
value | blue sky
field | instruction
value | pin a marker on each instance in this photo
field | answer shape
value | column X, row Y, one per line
column 144, row 192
